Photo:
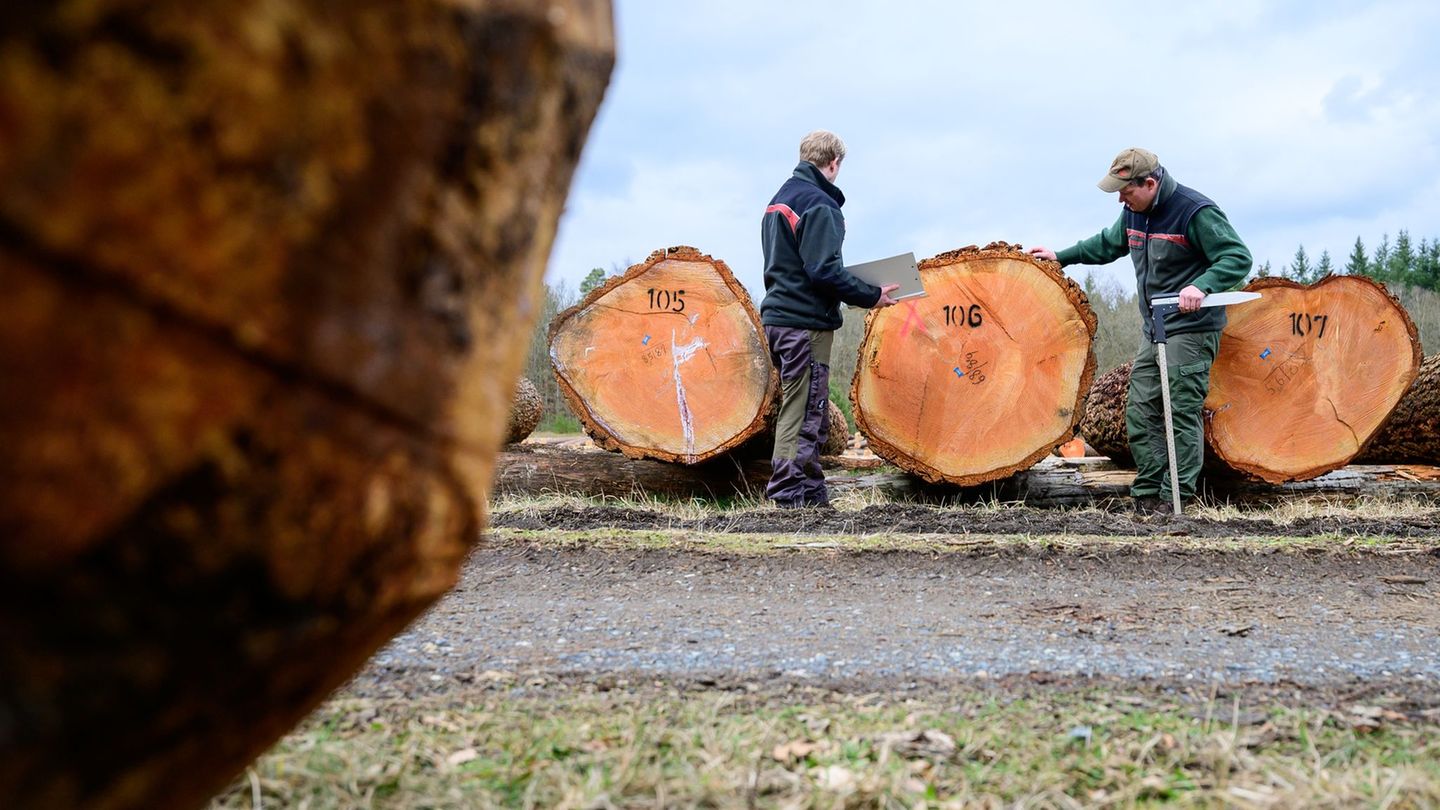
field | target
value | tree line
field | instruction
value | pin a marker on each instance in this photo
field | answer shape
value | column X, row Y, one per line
column 1406, row 262
column 1410, row 269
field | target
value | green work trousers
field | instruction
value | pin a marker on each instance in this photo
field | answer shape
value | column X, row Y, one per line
column 1189, row 357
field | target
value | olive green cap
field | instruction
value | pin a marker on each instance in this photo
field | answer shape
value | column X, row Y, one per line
column 1129, row 165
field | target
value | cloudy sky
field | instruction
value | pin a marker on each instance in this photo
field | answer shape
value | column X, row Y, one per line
column 1308, row 121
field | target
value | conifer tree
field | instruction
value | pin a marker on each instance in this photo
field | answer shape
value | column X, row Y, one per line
column 593, row 279
column 1300, row 268
column 1358, row 264
column 1325, row 267
column 1402, row 259
column 1427, row 270
column 1380, row 264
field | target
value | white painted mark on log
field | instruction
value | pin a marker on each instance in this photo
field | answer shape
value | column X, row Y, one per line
column 679, row 354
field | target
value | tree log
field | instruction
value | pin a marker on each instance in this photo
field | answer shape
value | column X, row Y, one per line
column 526, row 409
column 667, row 361
column 531, row 470
column 1056, row 482
column 838, row 439
column 984, row 375
column 534, row 469
column 1103, row 424
column 1307, row 375
column 1412, row 433
column 269, row 274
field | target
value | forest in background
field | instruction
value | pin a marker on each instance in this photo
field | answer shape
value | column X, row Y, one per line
column 1410, row 269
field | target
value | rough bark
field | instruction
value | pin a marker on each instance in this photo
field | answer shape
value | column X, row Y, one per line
column 839, row 438
column 526, row 408
column 269, row 271
column 1306, row 376
column 984, row 375
column 1103, row 424
column 1412, row 433
column 667, row 361
column 529, row 470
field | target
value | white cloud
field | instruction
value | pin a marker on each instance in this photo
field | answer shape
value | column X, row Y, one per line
column 969, row 122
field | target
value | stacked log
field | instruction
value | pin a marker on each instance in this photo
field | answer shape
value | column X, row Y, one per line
column 666, row 362
column 269, row 273
column 838, row 439
column 529, row 470
column 984, row 375
column 526, row 409
column 1103, row 425
column 1412, row 433
column 1306, row 376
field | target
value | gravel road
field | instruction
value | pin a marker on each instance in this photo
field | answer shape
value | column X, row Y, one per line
column 872, row 620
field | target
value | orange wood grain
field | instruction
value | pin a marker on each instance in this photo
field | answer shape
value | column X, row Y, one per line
column 667, row 361
column 986, row 388
column 1306, row 375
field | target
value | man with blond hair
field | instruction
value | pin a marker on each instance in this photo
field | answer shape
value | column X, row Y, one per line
column 805, row 284
column 1181, row 243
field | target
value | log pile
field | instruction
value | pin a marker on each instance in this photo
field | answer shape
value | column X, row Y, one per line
column 1306, row 376
column 668, row 361
column 528, row 470
column 1103, row 425
column 838, row 439
column 1412, row 433
column 984, row 375
column 269, row 272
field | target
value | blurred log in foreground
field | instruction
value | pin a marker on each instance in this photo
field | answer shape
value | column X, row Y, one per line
column 1306, row 376
column 269, row 271
column 984, row 375
column 667, row 361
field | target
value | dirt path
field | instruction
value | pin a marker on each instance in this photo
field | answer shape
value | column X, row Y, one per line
column 875, row 620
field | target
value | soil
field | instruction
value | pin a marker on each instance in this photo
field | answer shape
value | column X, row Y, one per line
column 1157, row 613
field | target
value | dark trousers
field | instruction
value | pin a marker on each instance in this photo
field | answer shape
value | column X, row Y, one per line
column 1189, row 357
column 803, row 359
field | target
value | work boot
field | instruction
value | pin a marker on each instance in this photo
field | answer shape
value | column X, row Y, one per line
column 1150, row 505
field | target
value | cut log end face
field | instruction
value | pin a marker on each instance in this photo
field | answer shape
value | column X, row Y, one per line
column 1306, row 375
column 980, row 377
column 666, row 362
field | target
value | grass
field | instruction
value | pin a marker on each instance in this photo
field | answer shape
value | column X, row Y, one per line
column 558, row 424
column 657, row 745
column 745, row 544
column 1282, row 510
column 505, row 741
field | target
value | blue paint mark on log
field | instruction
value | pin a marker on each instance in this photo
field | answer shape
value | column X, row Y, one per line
column 958, row 372
column 1265, row 355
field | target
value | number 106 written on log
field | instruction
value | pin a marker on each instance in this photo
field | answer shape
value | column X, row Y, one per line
column 960, row 315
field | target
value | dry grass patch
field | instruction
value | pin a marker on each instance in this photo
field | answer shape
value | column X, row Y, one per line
column 747, row 544
column 519, row 745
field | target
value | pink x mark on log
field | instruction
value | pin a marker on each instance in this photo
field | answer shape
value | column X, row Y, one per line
column 912, row 316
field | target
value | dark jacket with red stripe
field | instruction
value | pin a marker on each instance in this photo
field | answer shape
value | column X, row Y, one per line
column 1182, row 239
column 805, row 277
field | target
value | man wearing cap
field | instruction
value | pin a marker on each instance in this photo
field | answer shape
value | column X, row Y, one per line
column 1180, row 241
column 805, row 283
